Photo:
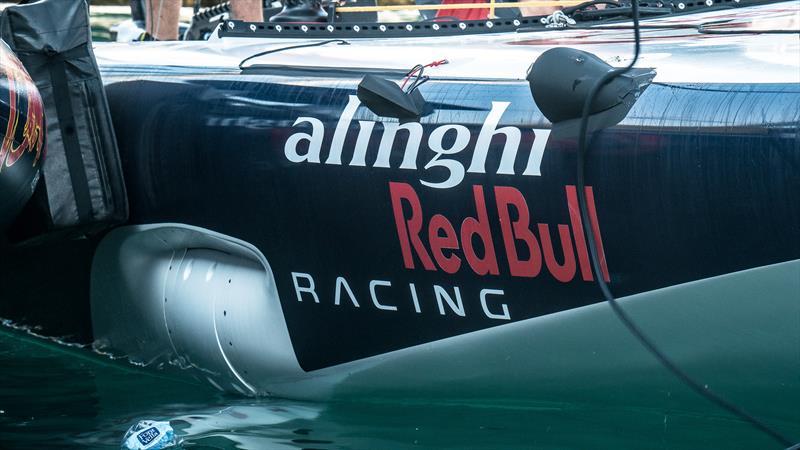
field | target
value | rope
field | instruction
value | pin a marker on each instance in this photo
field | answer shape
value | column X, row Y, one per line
column 458, row 6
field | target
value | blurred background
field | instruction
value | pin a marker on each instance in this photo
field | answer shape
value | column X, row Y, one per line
column 105, row 14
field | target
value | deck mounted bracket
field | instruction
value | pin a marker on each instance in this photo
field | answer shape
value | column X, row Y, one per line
column 561, row 79
column 385, row 98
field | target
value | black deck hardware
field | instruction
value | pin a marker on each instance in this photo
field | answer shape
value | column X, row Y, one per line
column 561, row 79
column 353, row 30
column 385, row 98
column 295, row 30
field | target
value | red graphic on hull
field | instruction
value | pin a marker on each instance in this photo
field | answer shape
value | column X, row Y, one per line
column 529, row 249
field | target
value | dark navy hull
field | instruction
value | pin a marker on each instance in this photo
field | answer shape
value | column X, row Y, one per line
column 698, row 181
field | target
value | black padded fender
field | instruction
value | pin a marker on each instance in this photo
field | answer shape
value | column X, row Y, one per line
column 83, row 189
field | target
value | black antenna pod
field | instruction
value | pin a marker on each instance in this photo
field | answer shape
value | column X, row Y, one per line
column 385, row 98
column 562, row 78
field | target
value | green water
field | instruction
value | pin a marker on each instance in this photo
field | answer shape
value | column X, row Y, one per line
column 57, row 397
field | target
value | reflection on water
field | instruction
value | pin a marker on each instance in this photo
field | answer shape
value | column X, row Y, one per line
column 54, row 397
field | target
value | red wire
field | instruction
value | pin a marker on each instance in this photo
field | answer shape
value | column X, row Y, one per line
column 431, row 64
column 436, row 63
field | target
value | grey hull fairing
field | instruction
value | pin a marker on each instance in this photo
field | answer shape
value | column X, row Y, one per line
column 739, row 330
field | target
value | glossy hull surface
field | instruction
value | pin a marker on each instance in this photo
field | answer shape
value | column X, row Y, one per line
column 284, row 239
column 428, row 241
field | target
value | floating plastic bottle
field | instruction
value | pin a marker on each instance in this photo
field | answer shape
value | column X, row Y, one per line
column 149, row 435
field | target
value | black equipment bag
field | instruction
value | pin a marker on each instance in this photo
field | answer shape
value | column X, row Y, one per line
column 83, row 189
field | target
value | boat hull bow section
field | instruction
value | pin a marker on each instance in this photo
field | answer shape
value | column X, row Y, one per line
column 202, row 303
column 391, row 241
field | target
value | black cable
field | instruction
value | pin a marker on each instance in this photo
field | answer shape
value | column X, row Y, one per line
column 291, row 47
column 417, row 83
column 418, row 72
column 415, row 69
column 588, row 231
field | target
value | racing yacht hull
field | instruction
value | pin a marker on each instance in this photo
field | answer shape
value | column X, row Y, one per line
column 284, row 239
